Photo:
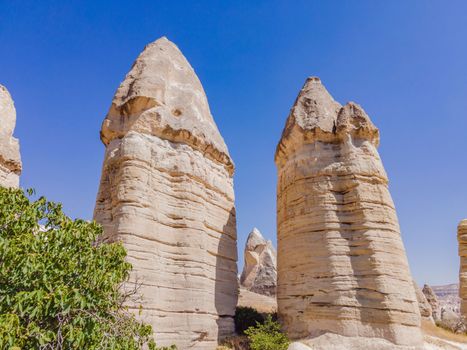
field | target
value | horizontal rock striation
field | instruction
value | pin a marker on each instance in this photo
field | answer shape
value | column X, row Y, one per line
column 10, row 159
column 166, row 191
column 342, row 266
column 260, row 269
column 462, row 239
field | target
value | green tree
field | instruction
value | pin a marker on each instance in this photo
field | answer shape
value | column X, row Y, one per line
column 59, row 287
column 267, row 336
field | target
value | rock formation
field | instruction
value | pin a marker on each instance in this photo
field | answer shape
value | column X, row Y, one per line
column 260, row 269
column 423, row 305
column 462, row 239
column 166, row 191
column 432, row 300
column 342, row 266
column 10, row 159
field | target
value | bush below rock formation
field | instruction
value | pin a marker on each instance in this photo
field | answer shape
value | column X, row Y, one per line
column 59, row 287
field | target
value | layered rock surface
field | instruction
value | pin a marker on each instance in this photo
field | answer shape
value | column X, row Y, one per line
column 342, row 266
column 260, row 268
column 166, row 191
column 462, row 239
column 10, row 159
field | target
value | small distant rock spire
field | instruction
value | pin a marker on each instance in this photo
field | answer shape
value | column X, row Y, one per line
column 10, row 158
column 260, row 268
column 432, row 300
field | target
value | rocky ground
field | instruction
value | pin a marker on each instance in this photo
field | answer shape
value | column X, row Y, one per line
column 448, row 296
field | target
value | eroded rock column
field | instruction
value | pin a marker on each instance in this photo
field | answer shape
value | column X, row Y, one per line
column 342, row 266
column 10, row 159
column 167, row 192
column 462, row 239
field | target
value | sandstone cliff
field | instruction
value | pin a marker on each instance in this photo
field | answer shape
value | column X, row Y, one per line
column 10, row 159
column 166, row 191
column 342, row 266
column 462, row 239
column 260, row 268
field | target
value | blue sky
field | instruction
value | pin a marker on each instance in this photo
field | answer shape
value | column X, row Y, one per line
column 403, row 61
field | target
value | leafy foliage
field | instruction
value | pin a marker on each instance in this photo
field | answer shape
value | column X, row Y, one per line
column 267, row 336
column 246, row 317
column 59, row 287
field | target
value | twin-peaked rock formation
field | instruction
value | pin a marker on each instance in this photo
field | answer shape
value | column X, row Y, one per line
column 167, row 192
column 462, row 239
column 10, row 159
column 342, row 266
column 259, row 271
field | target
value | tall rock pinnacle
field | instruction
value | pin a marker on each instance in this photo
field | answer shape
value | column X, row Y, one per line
column 167, row 192
column 10, row 159
column 342, row 266
column 462, row 239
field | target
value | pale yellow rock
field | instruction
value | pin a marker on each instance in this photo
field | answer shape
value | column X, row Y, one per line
column 338, row 342
column 462, row 239
column 167, row 192
column 10, row 159
column 342, row 266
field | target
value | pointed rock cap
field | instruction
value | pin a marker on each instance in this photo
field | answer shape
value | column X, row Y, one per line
column 316, row 116
column 314, row 107
column 255, row 239
column 10, row 158
column 353, row 120
column 463, row 224
column 162, row 96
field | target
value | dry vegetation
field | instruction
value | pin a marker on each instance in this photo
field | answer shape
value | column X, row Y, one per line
column 435, row 331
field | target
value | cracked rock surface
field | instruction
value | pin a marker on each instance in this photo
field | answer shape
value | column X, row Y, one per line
column 342, row 266
column 166, row 191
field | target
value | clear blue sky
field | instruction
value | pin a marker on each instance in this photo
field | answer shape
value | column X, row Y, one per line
column 405, row 62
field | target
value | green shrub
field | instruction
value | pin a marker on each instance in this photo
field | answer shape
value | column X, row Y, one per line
column 267, row 336
column 59, row 287
column 246, row 317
